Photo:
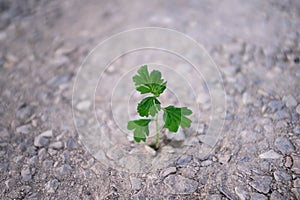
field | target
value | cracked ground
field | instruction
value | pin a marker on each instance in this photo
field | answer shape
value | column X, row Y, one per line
column 256, row 45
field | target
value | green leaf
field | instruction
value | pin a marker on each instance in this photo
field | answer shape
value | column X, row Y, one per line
column 149, row 105
column 175, row 117
column 149, row 83
column 141, row 129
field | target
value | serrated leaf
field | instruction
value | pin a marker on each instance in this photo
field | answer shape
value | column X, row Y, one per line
column 148, row 106
column 175, row 117
column 149, row 83
column 141, row 129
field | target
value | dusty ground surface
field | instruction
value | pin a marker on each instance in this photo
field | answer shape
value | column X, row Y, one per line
column 257, row 46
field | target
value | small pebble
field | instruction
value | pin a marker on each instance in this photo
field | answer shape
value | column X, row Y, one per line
column 183, row 160
column 288, row 162
column 57, row 145
column 26, row 174
column 290, row 101
column 271, row 154
column 284, row 145
column 136, row 183
column 25, row 129
column 168, row 171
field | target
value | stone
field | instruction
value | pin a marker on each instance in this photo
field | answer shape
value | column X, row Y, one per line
column 70, row 144
column 65, row 156
column 65, row 50
column 214, row 197
column 296, row 192
column 63, row 171
column 40, row 141
column 281, row 114
column 276, row 196
column 268, row 128
column 296, row 164
column 24, row 112
column 271, row 154
column 33, row 160
column 298, row 109
column 205, row 163
column 296, row 183
column 136, row 183
column 51, row 186
column 275, row 105
column 282, row 176
column 284, row 145
column 168, row 171
column 180, row 185
column 150, row 150
column 241, row 193
column 10, row 183
column 31, row 150
column 60, row 80
column 261, row 183
column 296, row 130
column 47, row 134
column 26, row 174
column 3, row 167
column 47, row 164
column 257, row 196
column 57, row 145
column 4, row 132
column 290, row 101
column 25, row 129
column 59, row 61
column 84, row 105
column 18, row 159
column 231, row 70
column 288, row 162
column 247, row 99
column 42, row 153
column 52, row 152
column 224, row 158
column 183, row 160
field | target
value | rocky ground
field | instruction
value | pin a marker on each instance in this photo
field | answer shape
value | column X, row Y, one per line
column 257, row 47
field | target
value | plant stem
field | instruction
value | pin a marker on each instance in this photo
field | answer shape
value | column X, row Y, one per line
column 157, row 131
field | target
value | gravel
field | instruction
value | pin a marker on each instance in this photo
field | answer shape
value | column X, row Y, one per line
column 256, row 156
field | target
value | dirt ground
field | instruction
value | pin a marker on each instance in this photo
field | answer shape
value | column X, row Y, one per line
column 256, row 45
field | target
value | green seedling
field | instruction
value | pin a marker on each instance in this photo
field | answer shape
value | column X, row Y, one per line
column 150, row 106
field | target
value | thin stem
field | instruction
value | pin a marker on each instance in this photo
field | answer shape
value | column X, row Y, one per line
column 157, row 131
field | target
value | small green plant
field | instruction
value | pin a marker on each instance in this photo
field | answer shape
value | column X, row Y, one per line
column 173, row 117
